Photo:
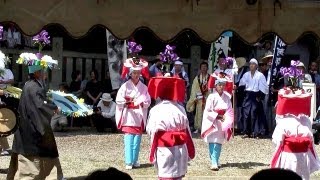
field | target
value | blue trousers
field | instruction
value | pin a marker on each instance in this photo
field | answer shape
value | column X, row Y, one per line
column 131, row 148
column 214, row 152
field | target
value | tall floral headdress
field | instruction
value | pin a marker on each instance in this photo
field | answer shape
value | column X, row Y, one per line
column 293, row 73
column 44, row 61
column 169, row 55
column 135, row 63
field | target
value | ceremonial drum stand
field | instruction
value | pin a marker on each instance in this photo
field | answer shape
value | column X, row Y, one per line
column 9, row 119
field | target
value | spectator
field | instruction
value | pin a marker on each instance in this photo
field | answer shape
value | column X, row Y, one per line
column 75, row 85
column 156, row 68
column 315, row 78
column 63, row 87
column 105, row 114
column 198, row 95
column 93, row 89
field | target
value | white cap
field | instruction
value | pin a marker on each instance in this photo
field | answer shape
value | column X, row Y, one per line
column 178, row 62
column 254, row 61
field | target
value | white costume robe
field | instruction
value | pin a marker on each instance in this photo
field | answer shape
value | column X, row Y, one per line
column 171, row 142
column 214, row 130
column 303, row 163
column 253, row 117
column 132, row 117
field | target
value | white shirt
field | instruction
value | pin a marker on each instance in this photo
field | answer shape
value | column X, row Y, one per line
column 7, row 75
column 107, row 111
column 256, row 83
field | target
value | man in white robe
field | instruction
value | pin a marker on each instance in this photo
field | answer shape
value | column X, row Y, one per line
column 255, row 86
column 171, row 142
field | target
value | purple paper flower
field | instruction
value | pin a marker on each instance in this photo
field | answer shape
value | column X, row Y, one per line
column 169, row 55
column 292, row 72
column 1, row 32
column 42, row 38
column 228, row 61
column 134, row 48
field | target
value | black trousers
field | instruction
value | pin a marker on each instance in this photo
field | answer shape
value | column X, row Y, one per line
column 102, row 123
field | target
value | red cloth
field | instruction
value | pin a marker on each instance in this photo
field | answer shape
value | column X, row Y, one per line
column 293, row 106
column 170, row 139
column 125, row 71
column 228, row 87
column 220, row 111
column 293, row 145
column 131, row 130
column 169, row 88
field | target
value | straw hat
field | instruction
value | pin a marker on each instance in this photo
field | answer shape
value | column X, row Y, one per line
column 241, row 61
column 106, row 97
column 8, row 121
column 300, row 64
column 267, row 55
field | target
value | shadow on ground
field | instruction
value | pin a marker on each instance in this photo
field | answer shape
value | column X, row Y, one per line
column 3, row 171
column 244, row 165
column 77, row 178
column 147, row 165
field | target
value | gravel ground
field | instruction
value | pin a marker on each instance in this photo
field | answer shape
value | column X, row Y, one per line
column 83, row 151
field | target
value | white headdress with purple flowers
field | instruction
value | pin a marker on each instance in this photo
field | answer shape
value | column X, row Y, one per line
column 38, row 61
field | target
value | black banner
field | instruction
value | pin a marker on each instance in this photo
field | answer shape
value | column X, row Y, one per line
column 278, row 53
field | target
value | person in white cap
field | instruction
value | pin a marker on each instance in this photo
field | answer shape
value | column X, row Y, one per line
column 217, row 121
column 307, row 77
column 255, row 86
column 178, row 70
column 105, row 113
column 132, row 101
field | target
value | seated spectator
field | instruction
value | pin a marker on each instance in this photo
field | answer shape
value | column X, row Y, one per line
column 75, row 85
column 104, row 115
column 63, row 87
column 93, row 89
column 276, row 174
column 110, row 173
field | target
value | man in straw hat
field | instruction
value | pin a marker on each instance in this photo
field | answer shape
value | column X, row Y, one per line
column 255, row 87
column 34, row 142
column 171, row 142
column 104, row 114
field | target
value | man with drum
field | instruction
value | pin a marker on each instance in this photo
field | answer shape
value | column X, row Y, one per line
column 35, row 152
